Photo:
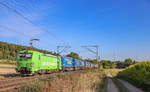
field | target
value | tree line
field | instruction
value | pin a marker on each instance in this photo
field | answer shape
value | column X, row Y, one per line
column 9, row 51
column 106, row 64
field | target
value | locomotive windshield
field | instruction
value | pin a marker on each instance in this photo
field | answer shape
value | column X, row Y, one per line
column 25, row 56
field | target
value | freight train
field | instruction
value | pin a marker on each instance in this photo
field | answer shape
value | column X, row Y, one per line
column 33, row 62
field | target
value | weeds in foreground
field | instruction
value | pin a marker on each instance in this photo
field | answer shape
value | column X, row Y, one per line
column 88, row 81
column 103, row 85
column 33, row 87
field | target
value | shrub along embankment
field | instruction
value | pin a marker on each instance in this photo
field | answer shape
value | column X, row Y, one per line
column 84, row 81
column 138, row 75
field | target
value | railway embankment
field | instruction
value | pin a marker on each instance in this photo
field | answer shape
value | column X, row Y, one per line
column 78, row 81
column 96, row 80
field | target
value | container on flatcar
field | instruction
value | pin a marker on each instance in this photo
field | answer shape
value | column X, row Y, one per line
column 67, row 63
column 88, row 64
column 77, row 63
column 85, row 64
column 81, row 64
column 92, row 65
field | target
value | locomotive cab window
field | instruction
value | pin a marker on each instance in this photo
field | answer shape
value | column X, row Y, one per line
column 25, row 56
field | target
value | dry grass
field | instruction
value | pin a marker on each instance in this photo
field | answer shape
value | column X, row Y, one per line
column 7, row 62
column 68, row 82
column 114, row 72
column 6, row 70
column 2, row 77
column 7, row 66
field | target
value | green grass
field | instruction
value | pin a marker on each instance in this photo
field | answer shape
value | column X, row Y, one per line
column 138, row 75
column 103, row 85
column 119, row 85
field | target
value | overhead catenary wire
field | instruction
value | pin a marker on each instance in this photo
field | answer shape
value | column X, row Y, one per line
column 30, row 4
column 28, row 20
column 27, row 6
column 2, row 27
column 13, row 30
column 27, row 9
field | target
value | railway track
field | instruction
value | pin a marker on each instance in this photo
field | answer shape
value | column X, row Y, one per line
column 14, row 83
column 6, row 85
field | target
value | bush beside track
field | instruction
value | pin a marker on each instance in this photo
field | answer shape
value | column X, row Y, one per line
column 138, row 74
column 76, row 81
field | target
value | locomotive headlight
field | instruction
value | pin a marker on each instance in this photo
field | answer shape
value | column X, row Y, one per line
column 32, row 64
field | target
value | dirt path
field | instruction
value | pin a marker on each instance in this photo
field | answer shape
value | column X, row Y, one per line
column 130, row 87
column 111, row 87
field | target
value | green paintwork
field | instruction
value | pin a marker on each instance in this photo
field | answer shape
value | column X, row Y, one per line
column 39, row 61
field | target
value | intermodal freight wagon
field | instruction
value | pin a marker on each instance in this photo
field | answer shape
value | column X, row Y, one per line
column 33, row 62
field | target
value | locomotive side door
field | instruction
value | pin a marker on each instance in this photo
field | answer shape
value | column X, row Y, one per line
column 39, row 62
column 58, row 61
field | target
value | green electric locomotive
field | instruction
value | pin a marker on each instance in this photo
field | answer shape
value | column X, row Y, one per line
column 32, row 62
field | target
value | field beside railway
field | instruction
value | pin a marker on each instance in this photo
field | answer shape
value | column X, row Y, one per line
column 7, row 70
column 81, row 81
column 96, row 80
column 138, row 74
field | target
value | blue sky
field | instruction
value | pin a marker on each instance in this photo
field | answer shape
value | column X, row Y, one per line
column 120, row 27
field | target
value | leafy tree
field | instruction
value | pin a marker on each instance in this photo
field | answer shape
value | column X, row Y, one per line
column 120, row 64
column 113, row 65
column 128, row 61
column 74, row 55
column 106, row 64
column 94, row 61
